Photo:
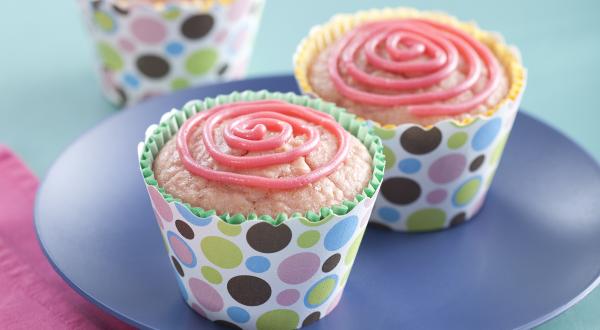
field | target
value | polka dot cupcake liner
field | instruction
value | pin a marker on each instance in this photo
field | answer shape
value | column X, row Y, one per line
column 257, row 274
column 144, row 50
column 436, row 177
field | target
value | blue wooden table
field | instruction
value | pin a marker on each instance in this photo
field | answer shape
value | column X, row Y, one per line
column 49, row 94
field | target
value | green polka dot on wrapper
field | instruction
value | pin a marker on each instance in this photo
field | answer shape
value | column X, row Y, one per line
column 229, row 229
column 426, row 219
column 390, row 158
column 211, row 275
column 345, row 278
column 171, row 14
column 353, row 250
column 201, row 61
column 110, row 57
column 308, row 238
column 466, row 192
column 321, row 291
column 386, row 132
column 309, row 223
column 279, row 319
column 221, row 252
column 457, row 140
column 179, row 83
column 104, row 21
column 497, row 151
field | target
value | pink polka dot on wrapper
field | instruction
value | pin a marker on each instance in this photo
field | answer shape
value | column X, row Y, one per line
column 436, row 196
column 220, row 36
column 158, row 219
column 239, row 8
column 199, row 310
column 298, row 268
column 148, row 30
column 288, row 297
column 161, row 206
column 126, row 45
column 206, row 295
column 181, row 250
column 447, row 168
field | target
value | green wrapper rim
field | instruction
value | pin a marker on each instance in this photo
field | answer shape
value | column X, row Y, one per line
column 168, row 128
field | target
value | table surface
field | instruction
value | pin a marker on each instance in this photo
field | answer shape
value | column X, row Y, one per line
column 50, row 95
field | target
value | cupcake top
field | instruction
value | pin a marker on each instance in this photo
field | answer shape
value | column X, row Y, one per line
column 264, row 157
column 407, row 67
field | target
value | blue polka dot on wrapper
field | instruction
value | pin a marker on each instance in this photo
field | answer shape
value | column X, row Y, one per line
column 389, row 214
column 409, row 165
column 191, row 217
column 340, row 233
column 258, row 264
column 131, row 80
column 238, row 314
column 174, row 48
column 486, row 134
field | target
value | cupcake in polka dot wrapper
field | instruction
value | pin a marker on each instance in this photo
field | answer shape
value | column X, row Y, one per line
column 442, row 95
column 148, row 48
column 262, row 200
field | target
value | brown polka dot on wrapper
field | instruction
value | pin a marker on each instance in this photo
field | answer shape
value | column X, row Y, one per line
column 476, row 163
column 227, row 324
column 184, row 229
column 458, row 219
column 121, row 96
column 419, row 141
column 312, row 318
column 266, row 238
column 197, row 26
column 177, row 266
column 331, row 263
column 122, row 10
column 153, row 66
column 249, row 290
column 223, row 69
column 400, row 190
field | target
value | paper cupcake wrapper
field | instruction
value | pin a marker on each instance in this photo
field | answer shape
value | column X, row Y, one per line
column 145, row 50
column 436, row 176
column 254, row 274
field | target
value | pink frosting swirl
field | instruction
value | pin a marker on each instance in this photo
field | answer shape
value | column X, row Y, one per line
column 260, row 126
column 425, row 53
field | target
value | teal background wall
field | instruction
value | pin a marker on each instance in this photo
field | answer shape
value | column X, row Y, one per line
column 49, row 94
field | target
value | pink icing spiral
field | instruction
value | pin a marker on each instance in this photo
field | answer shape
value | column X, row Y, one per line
column 261, row 126
column 425, row 53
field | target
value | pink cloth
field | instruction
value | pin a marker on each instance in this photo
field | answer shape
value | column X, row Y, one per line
column 32, row 295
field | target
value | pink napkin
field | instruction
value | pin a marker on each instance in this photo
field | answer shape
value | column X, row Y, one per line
column 32, row 295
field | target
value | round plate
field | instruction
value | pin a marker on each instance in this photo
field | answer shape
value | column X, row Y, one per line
column 531, row 253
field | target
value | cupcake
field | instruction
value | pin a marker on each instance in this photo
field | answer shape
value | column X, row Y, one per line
column 262, row 200
column 146, row 48
column 442, row 95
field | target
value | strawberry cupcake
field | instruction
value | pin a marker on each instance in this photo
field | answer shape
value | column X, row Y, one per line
column 262, row 200
column 441, row 93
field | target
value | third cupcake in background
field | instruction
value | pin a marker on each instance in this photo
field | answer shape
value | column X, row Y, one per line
column 442, row 94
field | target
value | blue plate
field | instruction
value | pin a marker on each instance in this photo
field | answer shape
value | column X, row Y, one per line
column 532, row 252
